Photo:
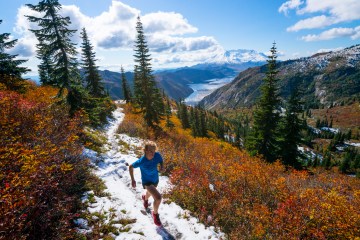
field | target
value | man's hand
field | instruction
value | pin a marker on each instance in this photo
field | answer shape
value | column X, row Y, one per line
column 131, row 170
column 133, row 183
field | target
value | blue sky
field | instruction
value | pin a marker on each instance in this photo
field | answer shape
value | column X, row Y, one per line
column 187, row 32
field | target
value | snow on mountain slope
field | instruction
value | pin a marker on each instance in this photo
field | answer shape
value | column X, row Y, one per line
column 238, row 56
column 112, row 168
column 349, row 57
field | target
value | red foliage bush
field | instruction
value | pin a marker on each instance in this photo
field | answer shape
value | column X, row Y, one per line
column 39, row 163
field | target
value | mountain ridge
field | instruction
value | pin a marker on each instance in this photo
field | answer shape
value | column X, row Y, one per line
column 324, row 78
column 175, row 82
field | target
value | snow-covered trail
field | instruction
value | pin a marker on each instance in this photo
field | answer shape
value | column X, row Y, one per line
column 127, row 201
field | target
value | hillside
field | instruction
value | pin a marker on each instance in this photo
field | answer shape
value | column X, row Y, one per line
column 325, row 79
column 175, row 81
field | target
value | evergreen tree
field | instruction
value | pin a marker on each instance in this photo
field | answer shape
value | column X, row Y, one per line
column 93, row 80
column 46, row 66
column 10, row 71
column 194, row 122
column 147, row 95
column 345, row 164
column 169, row 123
column 263, row 139
column 54, row 41
column 125, row 86
column 97, row 102
column 183, row 115
column 203, row 125
column 291, row 129
column 316, row 161
column 348, row 135
column 238, row 129
column 326, row 161
column 220, row 128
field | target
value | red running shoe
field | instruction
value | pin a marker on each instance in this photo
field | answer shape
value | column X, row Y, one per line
column 145, row 202
column 156, row 218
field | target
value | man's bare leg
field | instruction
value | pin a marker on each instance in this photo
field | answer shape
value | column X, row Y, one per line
column 151, row 190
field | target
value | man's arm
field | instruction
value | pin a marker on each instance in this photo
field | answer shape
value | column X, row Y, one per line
column 161, row 166
column 131, row 170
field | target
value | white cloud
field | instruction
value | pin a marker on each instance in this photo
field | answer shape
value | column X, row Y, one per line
column 331, row 34
column 167, row 23
column 26, row 45
column 356, row 34
column 23, row 48
column 162, row 43
column 331, row 12
column 114, row 29
column 310, row 23
column 188, row 57
column 289, row 5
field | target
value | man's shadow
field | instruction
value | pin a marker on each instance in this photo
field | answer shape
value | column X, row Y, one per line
column 164, row 233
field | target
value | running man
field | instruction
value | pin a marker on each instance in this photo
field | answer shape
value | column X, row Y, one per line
column 148, row 164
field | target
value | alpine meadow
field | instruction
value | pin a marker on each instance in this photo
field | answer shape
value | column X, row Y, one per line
column 254, row 144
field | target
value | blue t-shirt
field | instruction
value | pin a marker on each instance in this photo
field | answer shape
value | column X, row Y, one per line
column 148, row 168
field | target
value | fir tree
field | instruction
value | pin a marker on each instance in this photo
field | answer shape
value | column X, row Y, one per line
column 326, row 161
column 125, row 86
column 183, row 115
column 93, row 80
column 220, row 128
column 46, row 66
column 345, row 164
column 263, row 139
column 203, row 125
column 316, row 161
column 54, row 41
column 291, row 129
column 10, row 71
column 169, row 123
column 97, row 103
column 194, row 122
column 147, row 95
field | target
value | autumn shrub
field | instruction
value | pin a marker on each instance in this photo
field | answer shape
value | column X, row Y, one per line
column 133, row 125
column 41, row 168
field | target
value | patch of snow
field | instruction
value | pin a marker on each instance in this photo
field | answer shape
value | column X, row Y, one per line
column 353, row 144
column 309, row 153
column 315, row 130
column 333, row 130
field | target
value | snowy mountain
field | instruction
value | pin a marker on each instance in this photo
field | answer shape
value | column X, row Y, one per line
column 239, row 56
column 324, row 78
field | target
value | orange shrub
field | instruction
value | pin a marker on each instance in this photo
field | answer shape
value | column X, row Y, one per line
column 132, row 124
column 40, row 165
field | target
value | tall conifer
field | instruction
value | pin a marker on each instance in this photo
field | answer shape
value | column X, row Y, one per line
column 93, row 80
column 183, row 114
column 169, row 123
column 46, row 66
column 291, row 129
column 263, row 139
column 147, row 95
column 54, row 40
column 125, row 86
column 10, row 71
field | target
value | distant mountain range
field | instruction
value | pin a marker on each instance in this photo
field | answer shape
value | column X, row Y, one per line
column 238, row 57
column 325, row 78
column 175, row 82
